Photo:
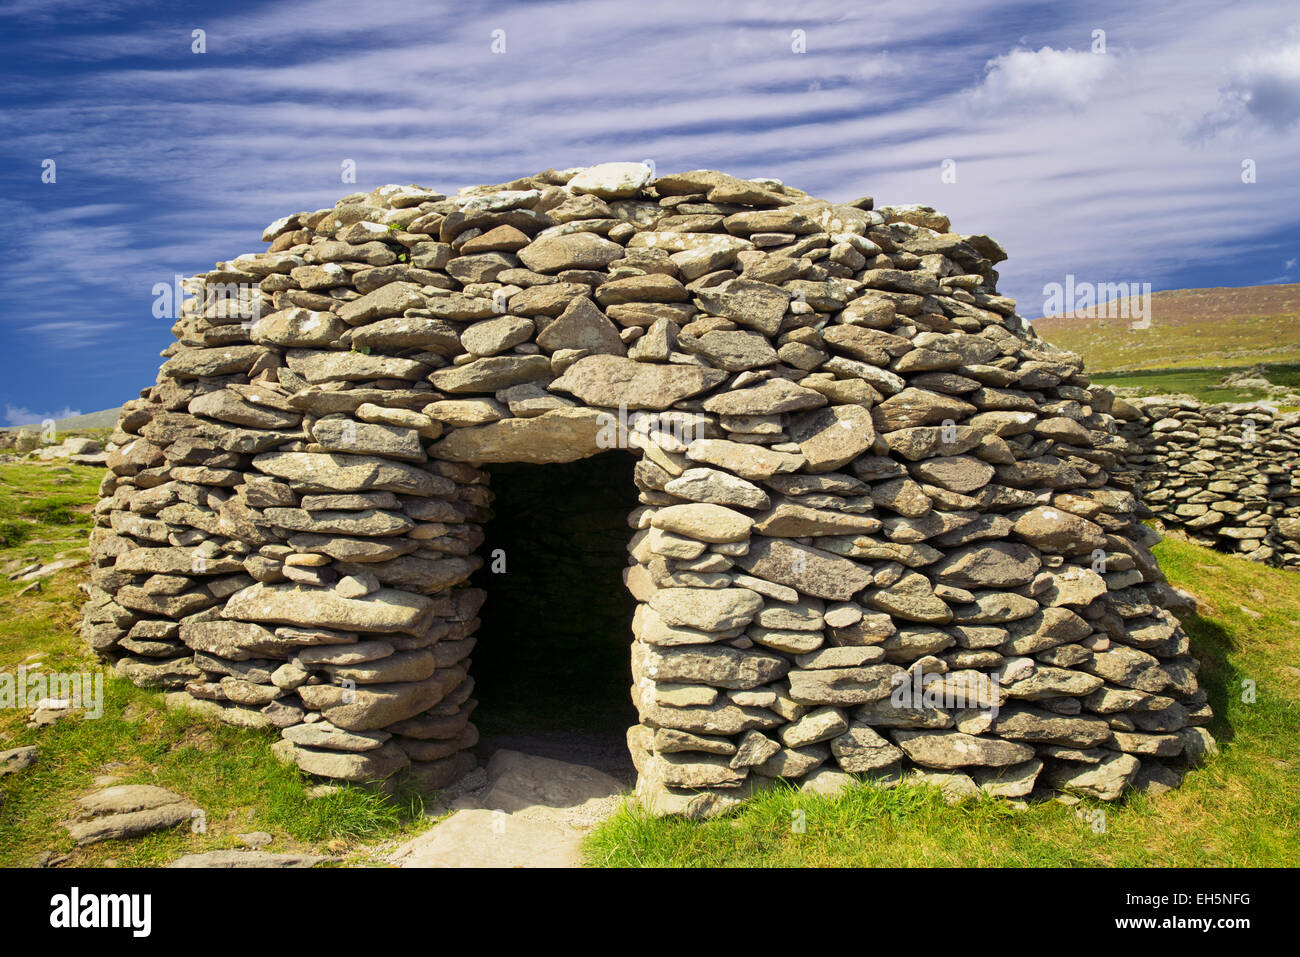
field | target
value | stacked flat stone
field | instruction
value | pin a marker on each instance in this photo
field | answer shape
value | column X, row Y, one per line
column 1226, row 476
column 859, row 474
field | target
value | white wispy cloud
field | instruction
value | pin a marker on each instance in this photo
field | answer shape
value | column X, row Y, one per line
column 17, row 415
column 1042, row 79
column 70, row 333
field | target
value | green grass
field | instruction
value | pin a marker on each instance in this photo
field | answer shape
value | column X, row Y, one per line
column 1241, row 809
column 229, row 773
column 46, row 506
column 1202, row 383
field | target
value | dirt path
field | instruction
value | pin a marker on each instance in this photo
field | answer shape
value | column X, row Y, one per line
column 531, row 811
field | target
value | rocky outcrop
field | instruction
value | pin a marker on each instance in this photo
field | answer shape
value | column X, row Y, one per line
column 878, row 529
column 127, row 810
column 75, row 449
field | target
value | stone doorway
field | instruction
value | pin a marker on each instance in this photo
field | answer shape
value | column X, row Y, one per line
column 551, row 663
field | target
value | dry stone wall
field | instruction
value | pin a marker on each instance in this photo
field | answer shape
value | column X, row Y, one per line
column 1225, row 476
column 878, row 533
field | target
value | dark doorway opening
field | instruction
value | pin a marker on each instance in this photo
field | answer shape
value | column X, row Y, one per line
column 552, row 664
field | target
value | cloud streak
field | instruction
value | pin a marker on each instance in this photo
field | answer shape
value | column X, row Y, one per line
column 1122, row 166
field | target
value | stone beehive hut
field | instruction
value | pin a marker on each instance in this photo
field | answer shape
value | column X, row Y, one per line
column 876, row 532
column 1223, row 475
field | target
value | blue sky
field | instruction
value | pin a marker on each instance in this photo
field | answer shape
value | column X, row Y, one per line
column 1115, row 166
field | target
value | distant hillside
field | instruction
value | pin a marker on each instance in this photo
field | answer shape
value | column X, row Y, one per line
column 1190, row 328
column 103, row 419
column 1207, row 384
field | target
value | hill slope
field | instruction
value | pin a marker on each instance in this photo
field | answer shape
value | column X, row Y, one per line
column 1189, row 328
column 103, row 419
